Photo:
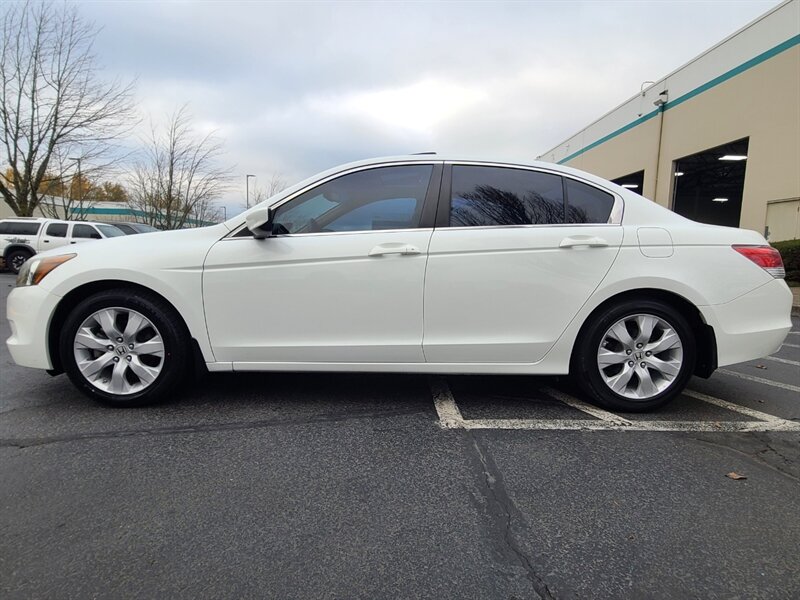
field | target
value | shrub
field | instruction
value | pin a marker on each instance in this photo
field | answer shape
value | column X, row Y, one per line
column 790, row 252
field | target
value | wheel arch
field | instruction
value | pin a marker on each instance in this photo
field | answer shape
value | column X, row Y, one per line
column 706, row 359
column 17, row 246
column 80, row 293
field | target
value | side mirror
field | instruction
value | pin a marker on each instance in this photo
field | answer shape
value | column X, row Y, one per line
column 259, row 223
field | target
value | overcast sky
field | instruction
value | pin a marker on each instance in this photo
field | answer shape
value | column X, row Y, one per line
column 299, row 87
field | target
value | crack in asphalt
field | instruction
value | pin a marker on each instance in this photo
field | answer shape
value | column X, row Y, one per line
column 208, row 428
column 756, row 455
column 502, row 512
column 769, row 446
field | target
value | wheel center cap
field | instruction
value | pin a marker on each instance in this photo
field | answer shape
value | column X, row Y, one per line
column 121, row 350
column 638, row 355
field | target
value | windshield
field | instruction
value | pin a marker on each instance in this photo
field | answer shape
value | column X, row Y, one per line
column 110, row 230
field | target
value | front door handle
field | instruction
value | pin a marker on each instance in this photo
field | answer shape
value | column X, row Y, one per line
column 590, row 241
column 383, row 249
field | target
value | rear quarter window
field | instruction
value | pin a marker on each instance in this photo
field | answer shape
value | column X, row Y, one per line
column 19, row 228
column 586, row 203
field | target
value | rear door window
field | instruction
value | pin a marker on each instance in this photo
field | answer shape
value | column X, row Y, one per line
column 503, row 196
column 57, row 230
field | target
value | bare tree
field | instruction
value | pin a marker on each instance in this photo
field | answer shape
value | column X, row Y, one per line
column 176, row 182
column 53, row 104
column 275, row 184
column 70, row 187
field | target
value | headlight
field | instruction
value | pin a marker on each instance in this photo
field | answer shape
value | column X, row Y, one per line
column 36, row 269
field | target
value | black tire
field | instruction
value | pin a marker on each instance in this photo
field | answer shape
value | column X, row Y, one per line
column 176, row 339
column 586, row 371
column 16, row 258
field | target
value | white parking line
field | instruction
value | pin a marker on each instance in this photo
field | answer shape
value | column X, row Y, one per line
column 750, row 412
column 777, row 384
column 586, row 407
column 586, row 425
column 782, row 360
column 446, row 407
column 450, row 417
column 790, row 345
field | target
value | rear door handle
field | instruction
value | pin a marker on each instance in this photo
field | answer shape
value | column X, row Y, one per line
column 583, row 240
column 383, row 249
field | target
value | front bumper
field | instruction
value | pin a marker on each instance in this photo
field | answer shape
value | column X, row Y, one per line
column 753, row 325
column 29, row 311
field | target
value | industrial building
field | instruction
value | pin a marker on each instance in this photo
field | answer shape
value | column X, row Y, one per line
column 718, row 139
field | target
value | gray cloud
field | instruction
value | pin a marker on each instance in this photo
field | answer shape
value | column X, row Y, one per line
column 298, row 87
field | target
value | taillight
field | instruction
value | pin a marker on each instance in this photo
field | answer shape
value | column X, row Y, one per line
column 765, row 257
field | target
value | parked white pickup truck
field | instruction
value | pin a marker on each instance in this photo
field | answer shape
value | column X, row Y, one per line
column 21, row 238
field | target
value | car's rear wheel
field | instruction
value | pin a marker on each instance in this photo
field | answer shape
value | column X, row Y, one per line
column 635, row 356
column 17, row 258
column 125, row 348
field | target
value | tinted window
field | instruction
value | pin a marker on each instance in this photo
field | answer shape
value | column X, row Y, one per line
column 85, row 232
column 141, row 228
column 126, row 229
column 110, row 230
column 394, row 213
column 587, row 204
column 382, row 198
column 19, row 228
column 486, row 196
column 57, row 230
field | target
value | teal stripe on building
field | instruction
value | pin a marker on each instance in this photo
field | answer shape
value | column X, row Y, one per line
column 124, row 212
column 764, row 56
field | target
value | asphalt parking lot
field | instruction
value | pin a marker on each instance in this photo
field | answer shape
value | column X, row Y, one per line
column 374, row 486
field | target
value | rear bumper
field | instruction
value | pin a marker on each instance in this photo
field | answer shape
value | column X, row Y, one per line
column 753, row 325
column 29, row 310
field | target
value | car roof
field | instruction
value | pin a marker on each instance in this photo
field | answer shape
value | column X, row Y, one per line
column 637, row 208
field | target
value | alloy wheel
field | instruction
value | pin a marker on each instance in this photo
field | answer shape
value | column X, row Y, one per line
column 17, row 261
column 640, row 356
column 119, row 351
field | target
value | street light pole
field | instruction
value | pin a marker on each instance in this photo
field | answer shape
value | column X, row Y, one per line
column 247, row 188
column 80, row 194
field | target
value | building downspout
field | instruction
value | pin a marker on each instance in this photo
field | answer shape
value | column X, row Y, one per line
column 661, row 102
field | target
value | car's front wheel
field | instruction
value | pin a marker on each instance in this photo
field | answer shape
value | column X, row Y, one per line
column 635, row 356
column 125, row 348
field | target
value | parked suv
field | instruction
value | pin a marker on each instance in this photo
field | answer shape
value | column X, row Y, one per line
column 21, row 238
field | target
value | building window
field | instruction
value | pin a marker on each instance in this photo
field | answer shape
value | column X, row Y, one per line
column 633, row 182
column 708, row 186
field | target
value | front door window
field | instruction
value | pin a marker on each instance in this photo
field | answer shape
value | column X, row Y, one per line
column 370, row 200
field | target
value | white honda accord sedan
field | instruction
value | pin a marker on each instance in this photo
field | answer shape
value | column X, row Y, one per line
column 412, row 264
